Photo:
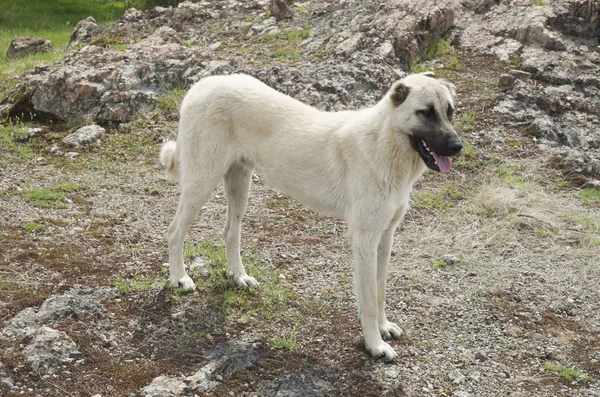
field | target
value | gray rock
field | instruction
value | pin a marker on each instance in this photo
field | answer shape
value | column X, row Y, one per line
column 221, row 363
column 306, row 384
column 456, row 377
column 165, row 386
column 4, row 377
column 78, row 302
column 450, row 259
column 461, row 393
column 84, row 31
column 50, row 349
column 480, row 356
column 349, row 46
column 84, row 136
column 564, row 112
column 25, row 46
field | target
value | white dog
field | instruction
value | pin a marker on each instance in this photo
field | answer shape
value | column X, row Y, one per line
column 356, row 165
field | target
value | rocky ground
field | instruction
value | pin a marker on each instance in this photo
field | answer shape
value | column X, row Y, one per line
column 494, row 274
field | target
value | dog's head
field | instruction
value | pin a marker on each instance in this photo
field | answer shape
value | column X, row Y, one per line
column 423, row 110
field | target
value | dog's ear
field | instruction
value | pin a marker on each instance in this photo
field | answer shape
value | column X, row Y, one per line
column 451, row 87
column 429, row 74
column 399, row 93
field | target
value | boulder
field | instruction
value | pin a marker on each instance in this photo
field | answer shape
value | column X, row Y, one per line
column 84, row 136
column 84, row 31
column 49, row 350
column 25, row 46
column 78, row 302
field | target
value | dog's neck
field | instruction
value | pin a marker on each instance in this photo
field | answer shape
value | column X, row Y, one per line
column 388, row 150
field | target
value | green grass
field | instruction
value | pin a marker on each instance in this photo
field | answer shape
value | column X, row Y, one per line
column 52, row 197
column 590, row 196
column 33, row 227
column 566, row 372
column 238, row 304
column 439, row 48
column 285, row 44
column 468, row 157
column 586, row 222
column 441, row 199
column 14, row 139
column 171, row 101
column 53, row 20
column 126, row 286
column 285, row 341
column 510, row 176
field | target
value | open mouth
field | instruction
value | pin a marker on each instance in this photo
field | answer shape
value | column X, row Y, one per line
column 433, row 160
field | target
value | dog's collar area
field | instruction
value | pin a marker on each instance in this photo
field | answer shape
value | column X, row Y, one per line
column 433, row 160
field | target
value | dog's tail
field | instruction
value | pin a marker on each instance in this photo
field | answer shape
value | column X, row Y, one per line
column 169, row 159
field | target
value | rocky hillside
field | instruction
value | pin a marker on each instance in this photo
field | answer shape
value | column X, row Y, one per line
column 494, row 272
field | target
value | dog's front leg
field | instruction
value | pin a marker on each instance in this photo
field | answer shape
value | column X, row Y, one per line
column 387, row 329
column 364, row 250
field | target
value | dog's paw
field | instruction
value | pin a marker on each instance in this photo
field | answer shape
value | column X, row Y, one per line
column 390, row 331
column 185, row 283
column 245, row 281
column 383, row 351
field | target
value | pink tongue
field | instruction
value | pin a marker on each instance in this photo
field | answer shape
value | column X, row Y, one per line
column 444, row 163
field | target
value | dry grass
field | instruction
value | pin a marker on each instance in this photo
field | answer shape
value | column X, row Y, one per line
column 501, row 225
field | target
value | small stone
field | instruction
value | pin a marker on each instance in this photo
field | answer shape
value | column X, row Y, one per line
column 461, row 393
column 520, row 74
column 216, row 46
column 475, row 376
column 450, row 259
column 507, row 81
column 84, row 136
column 456, row 377
column 480, row 356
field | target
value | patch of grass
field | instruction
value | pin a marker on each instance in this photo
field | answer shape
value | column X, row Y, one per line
column 439, row 48
column 466, row 121
column 126, row 286
column 238, row 304
column 468, row 157
column 539, row 2
column 543, row 232
column 439, row 265
column 566, row 372
column 510, row 176
column 52, row 197
column 286, row 52
column 590, row 196
column 33, row 227
column 285, row 44
column 46, row 198
column 441, row 199
column 586, row 222
column 171, row 101
column 285, row 341
column 14, row 139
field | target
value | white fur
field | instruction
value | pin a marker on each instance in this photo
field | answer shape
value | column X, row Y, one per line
column 355, row 165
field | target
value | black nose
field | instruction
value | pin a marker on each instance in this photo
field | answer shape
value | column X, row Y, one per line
column 455, row 147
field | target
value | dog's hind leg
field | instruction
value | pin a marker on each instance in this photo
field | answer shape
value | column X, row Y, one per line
column 388, row 330
column 194, row 194
column 237, row 185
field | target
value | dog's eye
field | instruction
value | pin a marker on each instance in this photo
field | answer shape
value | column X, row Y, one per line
column 428, row 113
